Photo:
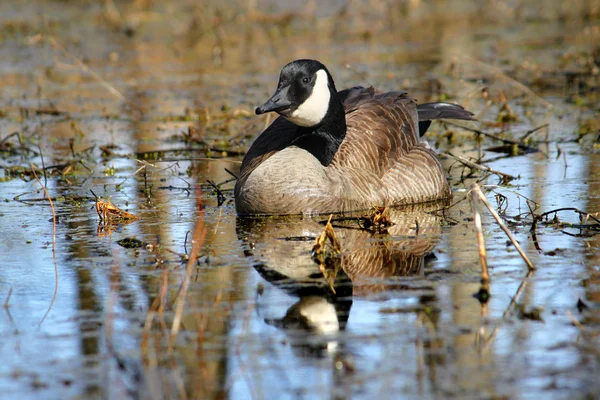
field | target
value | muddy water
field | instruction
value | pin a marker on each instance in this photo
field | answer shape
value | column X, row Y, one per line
column 144, row 103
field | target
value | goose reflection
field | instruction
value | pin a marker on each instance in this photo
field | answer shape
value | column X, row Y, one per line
column 321, row 311
column 370, row 263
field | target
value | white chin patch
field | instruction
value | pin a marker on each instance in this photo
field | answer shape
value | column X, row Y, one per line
column 313, row 110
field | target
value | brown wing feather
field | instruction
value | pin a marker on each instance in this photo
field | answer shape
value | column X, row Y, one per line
column 381, row 127
column 381, row 157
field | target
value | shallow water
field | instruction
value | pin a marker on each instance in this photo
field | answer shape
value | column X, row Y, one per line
column 108, row 96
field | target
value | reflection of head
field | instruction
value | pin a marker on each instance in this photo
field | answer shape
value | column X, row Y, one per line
column 322, row 311
column 312, row 313
column 320, row 316
column 321, row 308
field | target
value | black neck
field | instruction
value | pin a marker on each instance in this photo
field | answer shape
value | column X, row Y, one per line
column 323, row 140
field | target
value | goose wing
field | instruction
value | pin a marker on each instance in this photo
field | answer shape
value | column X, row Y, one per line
column 381, row 160
column 381, row 128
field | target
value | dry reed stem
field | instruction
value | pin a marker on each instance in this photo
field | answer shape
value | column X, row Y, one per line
column 53, row 245
column 87, row 69
column 577, row 324
column 162, row 295
column 475, row 188
column 197, row 241
column 485, row 168
column 485, row 277
column 214, row 236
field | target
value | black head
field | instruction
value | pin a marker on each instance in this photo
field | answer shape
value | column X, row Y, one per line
column 303, row 94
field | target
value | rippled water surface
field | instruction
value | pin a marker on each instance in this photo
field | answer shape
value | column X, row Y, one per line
column 151, row 105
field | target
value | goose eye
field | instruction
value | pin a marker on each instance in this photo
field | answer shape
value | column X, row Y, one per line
column 305, row 80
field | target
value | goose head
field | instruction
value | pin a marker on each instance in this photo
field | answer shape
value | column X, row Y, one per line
column 304, row 93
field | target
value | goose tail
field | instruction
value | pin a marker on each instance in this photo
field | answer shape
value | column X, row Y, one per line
column 430, row 111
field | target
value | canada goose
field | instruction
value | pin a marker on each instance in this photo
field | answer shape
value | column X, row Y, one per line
column 333, row 151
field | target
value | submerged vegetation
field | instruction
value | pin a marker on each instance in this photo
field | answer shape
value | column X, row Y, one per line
column 151, row 287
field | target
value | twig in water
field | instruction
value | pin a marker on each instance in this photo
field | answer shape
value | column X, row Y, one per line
column 533, row 228
column 576, row 323
column 527, row 199
column 515, row 298
column 144, row 348
column 220, row 196
column 564, row 154
column 231, row 173
column 532, row 131
column 53, row 245
column 185, row 242
column 43, row 165
column 482, row 197
column 51, row 206
column 8, row 298
column 197, row 240
column 505, row 177
column 525, row 148
column 582, row 213
column 480, row 132
column 217, row 225
column 11, row 135
column 513, row 301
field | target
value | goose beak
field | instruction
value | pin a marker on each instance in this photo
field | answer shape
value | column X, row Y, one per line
column 278, row 102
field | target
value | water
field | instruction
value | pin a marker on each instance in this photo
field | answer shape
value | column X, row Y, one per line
column 87, row 317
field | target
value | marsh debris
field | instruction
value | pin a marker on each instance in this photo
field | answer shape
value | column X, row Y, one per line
column 586, row 228
column 477, row 195
column 108, row 213
column 531, row 313
column 132, row 243
column 581, row 306
column 483, row 294
column 506, row 114
column 379, row 220
column 326, row 254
